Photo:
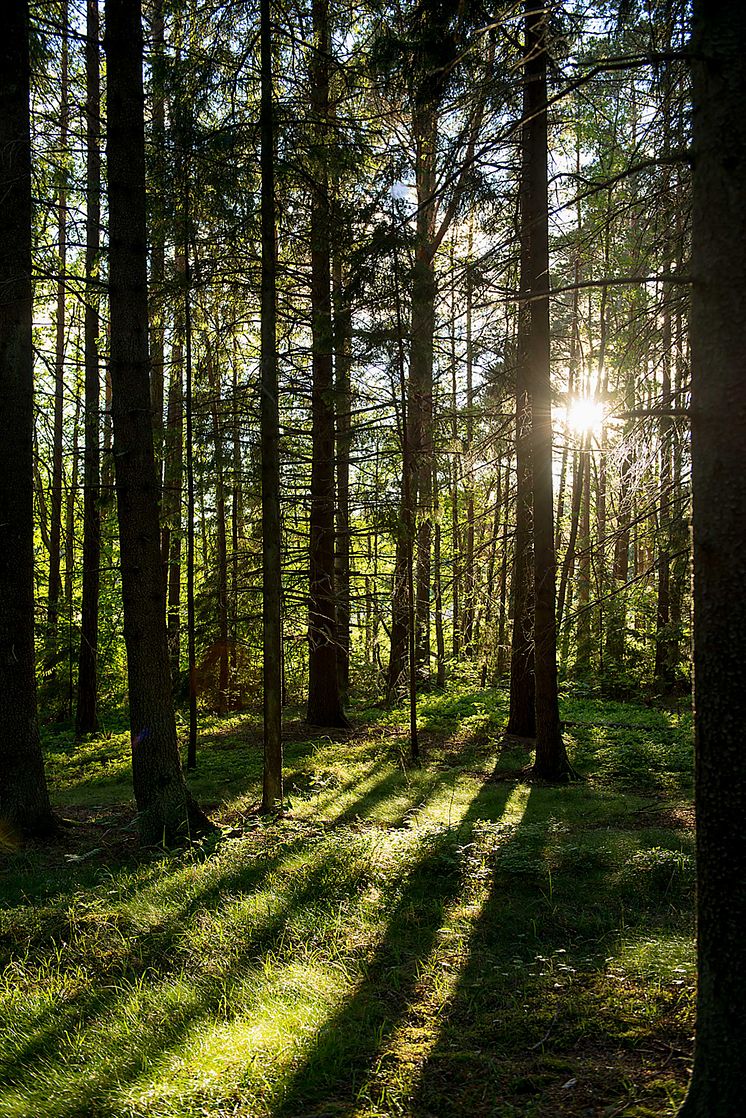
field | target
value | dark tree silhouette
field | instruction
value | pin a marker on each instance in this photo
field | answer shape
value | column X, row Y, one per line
column 167, row 812
column 24, row 802
column 718, row 327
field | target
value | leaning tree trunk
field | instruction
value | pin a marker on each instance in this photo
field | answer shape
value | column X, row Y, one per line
column 324, row 699
column 718, row 327
column 551, row 761
column 166, row 811
column 86, row 715
column 24, row 802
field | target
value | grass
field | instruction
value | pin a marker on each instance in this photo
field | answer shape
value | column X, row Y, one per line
column 443, row 940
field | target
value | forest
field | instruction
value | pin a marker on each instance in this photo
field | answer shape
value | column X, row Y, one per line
column 372, row 514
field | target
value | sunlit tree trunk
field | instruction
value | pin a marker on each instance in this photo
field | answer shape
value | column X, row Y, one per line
column 173, row 482
column 343, row 408
column 469, row 579
column 522, row 714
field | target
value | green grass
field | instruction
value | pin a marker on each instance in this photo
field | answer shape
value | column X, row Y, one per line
column 442, row 940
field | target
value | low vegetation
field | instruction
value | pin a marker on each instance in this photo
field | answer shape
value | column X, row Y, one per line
column 441, row 940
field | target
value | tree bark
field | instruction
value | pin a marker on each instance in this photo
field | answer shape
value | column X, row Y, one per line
column 86, row 715
column 24, row 800
column 718, row 326
column 343, row 408
column 173, row 482
column 54, row 589
column 324, row 699
column 222, row 540
column 190, row 509
column 270, row 440
column 522, row 713
column 158, row 249
column 166, row 811
column 420, row 394
column 550, row 762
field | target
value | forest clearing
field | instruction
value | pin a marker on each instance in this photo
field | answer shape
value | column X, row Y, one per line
column 372, row 512
column 443, row 939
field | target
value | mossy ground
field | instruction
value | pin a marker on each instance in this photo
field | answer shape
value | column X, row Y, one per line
column 442, row 940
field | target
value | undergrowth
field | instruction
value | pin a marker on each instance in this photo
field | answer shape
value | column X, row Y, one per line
column 447, row 939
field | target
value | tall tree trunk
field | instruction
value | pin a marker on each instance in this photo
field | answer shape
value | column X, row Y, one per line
column 420, row 396
column 666, row 648
column 86, row 715
column 718, row 326
column 440, row 644
column 522, row 713
column 469, row 579
column 270, row 440
column 190, row 509
column 455, row 527
column 220, row 515
column 490, row 580
column 578, row 473
column 24, row 801
column 54, row 589
column 173, row 483
column 324, row 700
column 583, row 658
column 551, row 760
column 69, row 582
column 343, row 401
column 158, row 250
column 236, row 531
column 166, row 810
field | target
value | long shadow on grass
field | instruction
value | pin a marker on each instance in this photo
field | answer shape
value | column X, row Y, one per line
column 345, row 1051
column 505, row 1011
column 151, row 951
column 157, row 954
column 162, row 1024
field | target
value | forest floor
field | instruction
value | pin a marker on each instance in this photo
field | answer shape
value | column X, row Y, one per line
column 435, row 941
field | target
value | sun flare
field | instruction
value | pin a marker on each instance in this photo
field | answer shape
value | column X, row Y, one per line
column 585, row 415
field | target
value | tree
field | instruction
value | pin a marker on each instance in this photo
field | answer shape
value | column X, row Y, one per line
column 270, row 440
column 54, row 587
column 324, row 699
column 167, row 812
column 551, row 759
column 718, row 323
column 86, row 718
column 24, row 801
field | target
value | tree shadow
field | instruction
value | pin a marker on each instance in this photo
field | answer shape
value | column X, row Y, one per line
column 514, row 1030
column 341, row 1056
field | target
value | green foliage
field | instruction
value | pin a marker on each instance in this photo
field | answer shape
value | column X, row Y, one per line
column 405, row 941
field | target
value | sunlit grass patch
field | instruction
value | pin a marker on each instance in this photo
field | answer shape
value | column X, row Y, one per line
column 406, row 941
